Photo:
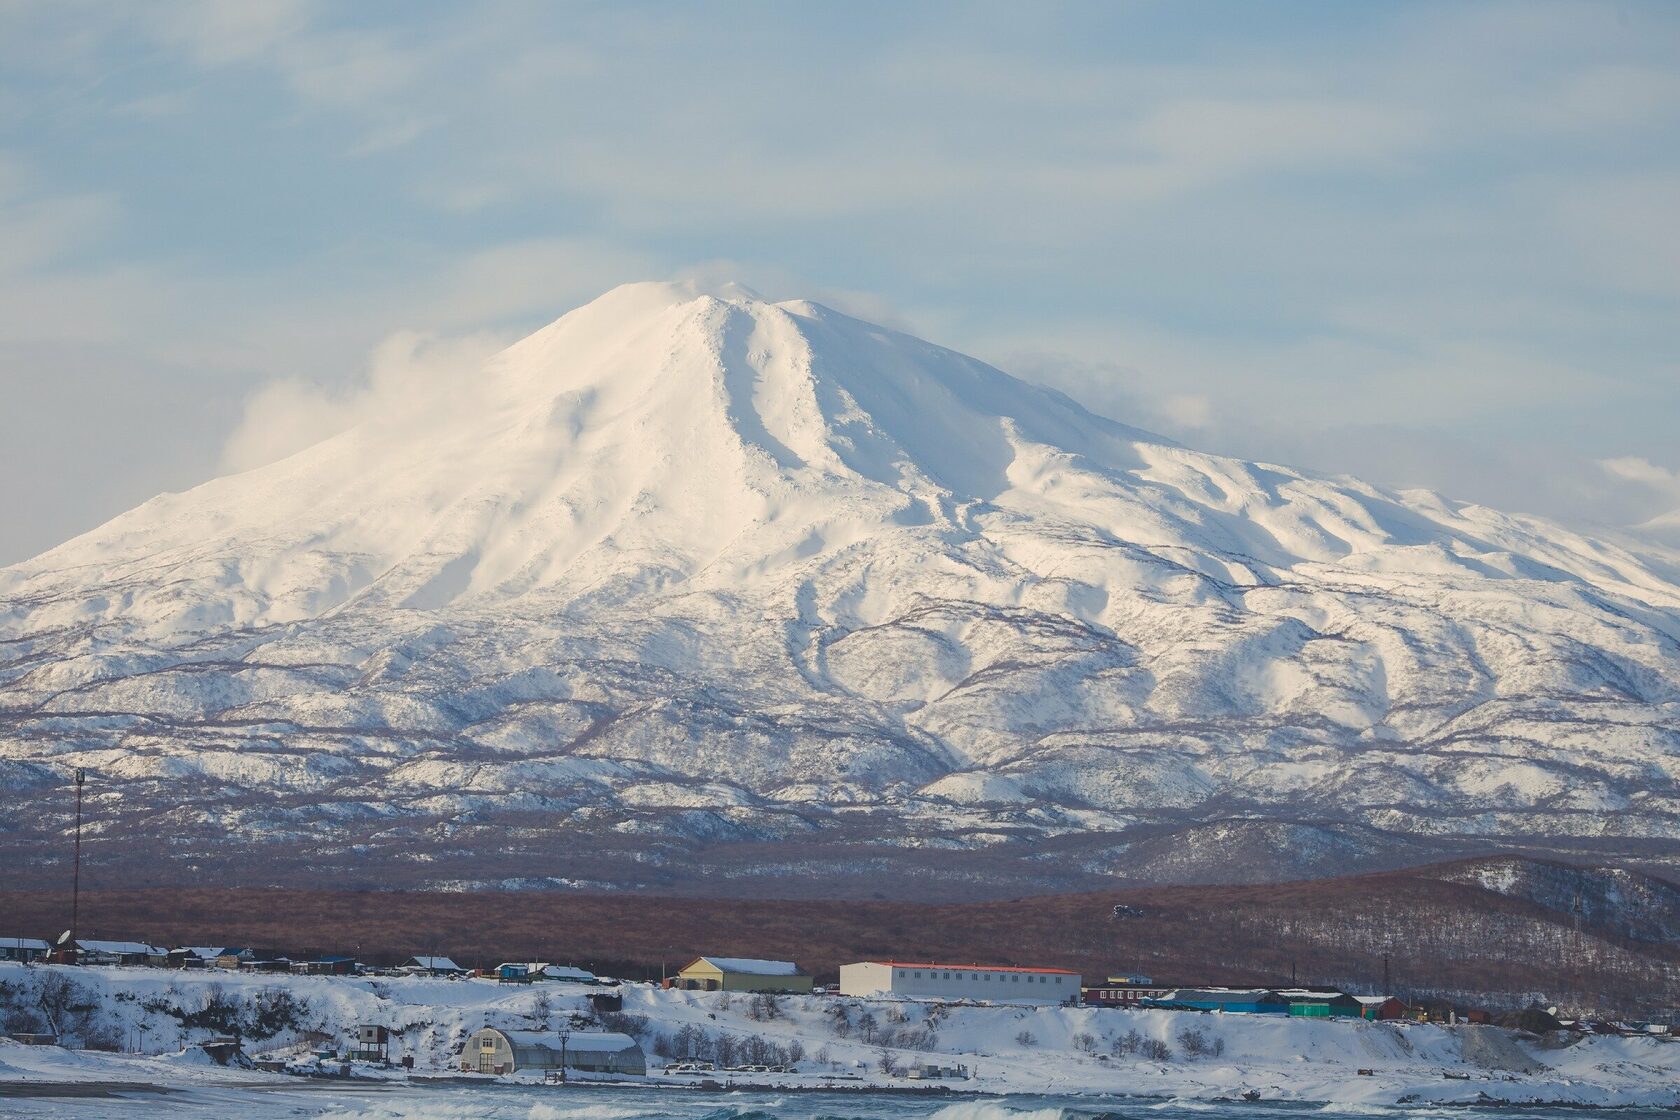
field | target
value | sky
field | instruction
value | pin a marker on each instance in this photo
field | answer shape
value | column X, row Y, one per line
column 1426, row 244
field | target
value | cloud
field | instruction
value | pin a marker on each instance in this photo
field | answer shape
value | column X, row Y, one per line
column 1631, row 468
column 408, row 374
column 1406, row 241
column 218, row 34
column 1658, row 492
column 1263, row 410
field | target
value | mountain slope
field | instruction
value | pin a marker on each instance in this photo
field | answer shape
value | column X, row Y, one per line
column 678, row 577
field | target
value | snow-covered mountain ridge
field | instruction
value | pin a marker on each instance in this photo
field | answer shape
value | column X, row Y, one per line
column 680, row 572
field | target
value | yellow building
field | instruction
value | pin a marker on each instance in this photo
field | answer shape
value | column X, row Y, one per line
column 739, row 974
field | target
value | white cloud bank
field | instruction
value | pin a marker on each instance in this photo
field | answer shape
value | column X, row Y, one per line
column 408, row 374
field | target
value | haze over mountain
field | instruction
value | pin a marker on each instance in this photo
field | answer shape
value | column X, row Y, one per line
column 694, row 586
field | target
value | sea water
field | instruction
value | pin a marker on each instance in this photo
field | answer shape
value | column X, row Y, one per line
column 543, row 1103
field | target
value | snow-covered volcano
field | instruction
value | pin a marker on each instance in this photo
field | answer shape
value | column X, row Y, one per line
column 683, row 586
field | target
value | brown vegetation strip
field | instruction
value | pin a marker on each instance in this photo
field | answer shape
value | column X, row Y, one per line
column 1441, row 938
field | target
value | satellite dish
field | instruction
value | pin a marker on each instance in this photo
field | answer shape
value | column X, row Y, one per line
column 63, row 937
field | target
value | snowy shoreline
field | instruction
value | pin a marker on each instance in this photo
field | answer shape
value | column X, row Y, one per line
column 843, row 1045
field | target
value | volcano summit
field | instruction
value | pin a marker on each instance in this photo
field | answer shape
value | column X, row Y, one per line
column 682, row 589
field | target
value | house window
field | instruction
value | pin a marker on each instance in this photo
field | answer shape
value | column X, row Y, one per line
column 1058, row 979
column 918, row 974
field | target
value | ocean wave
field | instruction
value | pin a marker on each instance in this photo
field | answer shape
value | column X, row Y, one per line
column 997, row 1110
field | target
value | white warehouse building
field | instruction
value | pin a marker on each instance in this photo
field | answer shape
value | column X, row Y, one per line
column 932, row 980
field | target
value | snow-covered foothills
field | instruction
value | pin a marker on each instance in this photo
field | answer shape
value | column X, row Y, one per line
column 679, row 572
column 1008, row 1049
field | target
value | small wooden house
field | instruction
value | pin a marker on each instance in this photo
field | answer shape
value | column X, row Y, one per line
column 370, row 1042
column 23, row 949
column 1383, row 1007
column 129, row 953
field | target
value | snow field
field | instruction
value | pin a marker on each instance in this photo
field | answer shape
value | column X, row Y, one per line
column 1008, row 1049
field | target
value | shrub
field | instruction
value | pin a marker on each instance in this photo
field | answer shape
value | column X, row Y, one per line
column 1155, row 1050
column 725, row 1047
column 636, row 1026
column 842, row 1021
column 1026, row 1038
column 273, row 1010
column 686, row 1042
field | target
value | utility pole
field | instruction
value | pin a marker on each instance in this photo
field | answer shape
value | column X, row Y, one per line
column 565, row 1037
column 1577, row 952
column 76, row 875
column 1387, row 990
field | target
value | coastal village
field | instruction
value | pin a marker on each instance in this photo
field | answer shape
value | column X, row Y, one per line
column 600, row 1040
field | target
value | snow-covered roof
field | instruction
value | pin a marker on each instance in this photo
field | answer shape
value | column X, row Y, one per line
column 203, row 952
column 752, row 967
column 121, row 947
column 1217, row 995
column 441, row 964
column 975, row 967
column 23, row 943
column 1373, row 1001
column 581, row 1042
column 566, row 972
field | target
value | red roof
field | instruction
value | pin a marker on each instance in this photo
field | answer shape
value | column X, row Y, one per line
column 972, row 967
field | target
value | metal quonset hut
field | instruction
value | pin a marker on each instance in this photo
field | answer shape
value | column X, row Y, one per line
column 741, row 974
column 497, row 1051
